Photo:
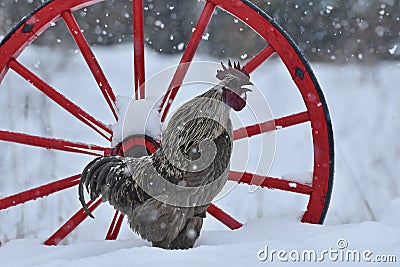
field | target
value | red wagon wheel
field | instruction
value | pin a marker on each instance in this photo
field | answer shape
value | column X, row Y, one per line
column 278, row 42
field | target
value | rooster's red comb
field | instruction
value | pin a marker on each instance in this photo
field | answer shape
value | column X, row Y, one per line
column 235, row 70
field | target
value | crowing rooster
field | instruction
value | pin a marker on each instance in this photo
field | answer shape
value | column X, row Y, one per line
column 165, row 195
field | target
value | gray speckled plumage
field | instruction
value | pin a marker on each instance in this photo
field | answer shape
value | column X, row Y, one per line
column 165, row 195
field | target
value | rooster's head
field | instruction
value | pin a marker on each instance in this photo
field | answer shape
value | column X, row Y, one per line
column 233, row 78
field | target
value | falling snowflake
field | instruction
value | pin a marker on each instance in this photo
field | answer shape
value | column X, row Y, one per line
column 158, row 23
column 393, row 50
column 180, row 46
column 191, row 234
column 205, row 36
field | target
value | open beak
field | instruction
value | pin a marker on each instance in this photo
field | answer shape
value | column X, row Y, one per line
column 247, row 89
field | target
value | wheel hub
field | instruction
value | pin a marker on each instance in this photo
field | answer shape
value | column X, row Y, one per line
column 136, row 146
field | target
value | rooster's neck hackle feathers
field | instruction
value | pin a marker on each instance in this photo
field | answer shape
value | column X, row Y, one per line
column 204, row 117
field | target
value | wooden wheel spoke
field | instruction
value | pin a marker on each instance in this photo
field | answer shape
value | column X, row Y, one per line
column 38, row 192
column 91, row 60
column 61, row 100
column 186, row 59
column 269, row 182
column 52, row 143
column 138, row 48
column 258, row 59
column 271, row 125
column 316, row 115
column 223, row 217
column 71, row 224
column 115, row 226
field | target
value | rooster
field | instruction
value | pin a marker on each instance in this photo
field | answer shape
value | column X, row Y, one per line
column 165, row 195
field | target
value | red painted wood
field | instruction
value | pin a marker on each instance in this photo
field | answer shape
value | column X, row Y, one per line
column 139, row 141
column 223, row 217
column 277, row 41
column 271, row 125
column 270, row 182
column 91, row 61
column 52, row 143
column 258, row 59
column 38, row 192
column 186, row 59
column 60, row 99
column 305, row 83
column 115, row 226
column 43, row 19
column 71, row 224
column 138, row 47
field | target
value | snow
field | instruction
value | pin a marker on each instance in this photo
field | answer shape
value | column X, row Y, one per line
column 215, row 248
column 302, row 177
column 181, row 46
column 365, row 208
column 138, row 117
column 392, row 50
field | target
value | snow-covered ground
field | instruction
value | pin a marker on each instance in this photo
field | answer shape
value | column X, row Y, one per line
column 365, row 207
column 367, row 240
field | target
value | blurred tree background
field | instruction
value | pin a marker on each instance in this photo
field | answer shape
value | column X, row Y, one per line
column 326, row 30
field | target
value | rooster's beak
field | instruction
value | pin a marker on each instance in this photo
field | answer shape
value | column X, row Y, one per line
column 247, row 89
